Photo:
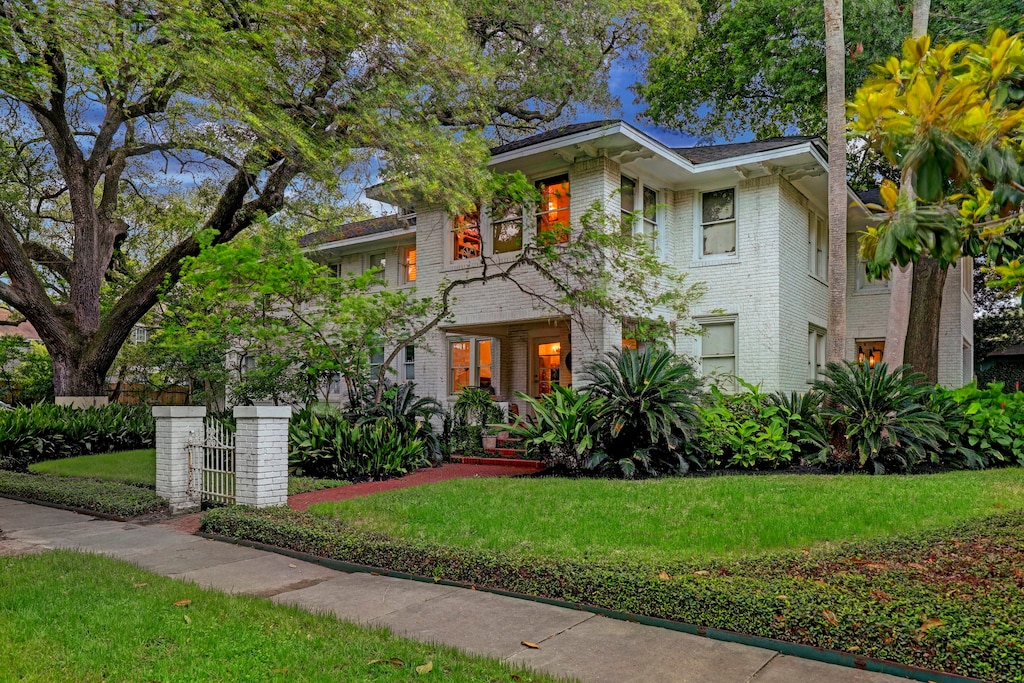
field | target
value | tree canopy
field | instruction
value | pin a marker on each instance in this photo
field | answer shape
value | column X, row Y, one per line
column 129, row 128
column 759, row 65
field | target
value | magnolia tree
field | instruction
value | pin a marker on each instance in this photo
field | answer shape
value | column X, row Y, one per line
column 951, row 118
column 262, row 298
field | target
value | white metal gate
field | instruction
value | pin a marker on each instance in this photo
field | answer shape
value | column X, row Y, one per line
column 217, row 450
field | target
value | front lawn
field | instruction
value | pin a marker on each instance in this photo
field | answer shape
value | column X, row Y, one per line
column 666, row 520
column 139, row 467
column 74, row 617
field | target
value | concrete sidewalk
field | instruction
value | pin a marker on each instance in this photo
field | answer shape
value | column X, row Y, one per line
column 571, row 643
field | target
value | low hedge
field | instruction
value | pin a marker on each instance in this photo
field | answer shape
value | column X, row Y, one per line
column 949, row 600
column 105, row 497
column 30, row 434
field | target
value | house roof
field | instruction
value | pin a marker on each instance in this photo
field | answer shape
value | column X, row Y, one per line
column 872, row 195
column 23, row 329
column 1010, row 351
column 371, row 226
column 707, row 153
column 553, row 134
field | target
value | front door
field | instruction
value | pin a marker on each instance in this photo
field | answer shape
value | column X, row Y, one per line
column 548, row 365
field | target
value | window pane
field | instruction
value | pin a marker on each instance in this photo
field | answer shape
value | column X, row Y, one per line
column 650, row 201
column 460, row 379
column 718, row 206
column 553, row 208
column 466, row 232
column 460, row 354
column 720, row 238
column 719, row 340
column 627, row 194
column 718, row 366
column 483, row 352
column 508, row 231
column 410, row 265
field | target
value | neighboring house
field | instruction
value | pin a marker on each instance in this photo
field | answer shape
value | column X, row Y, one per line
column 1005, row 365
column 23, row 329
column 748, row 219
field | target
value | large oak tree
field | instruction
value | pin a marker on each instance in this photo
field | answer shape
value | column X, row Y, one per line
column 129, row 128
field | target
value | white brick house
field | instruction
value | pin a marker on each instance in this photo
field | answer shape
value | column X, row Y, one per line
column 748, row 219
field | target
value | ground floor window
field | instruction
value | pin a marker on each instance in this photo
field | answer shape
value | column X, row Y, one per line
column 870, row 350
column 409, row 363
column 718, row 351
column 815, row 353
column 471, row 364
column 376, row 361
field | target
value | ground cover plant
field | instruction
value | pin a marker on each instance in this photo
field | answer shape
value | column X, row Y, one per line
column 71, row 616
column 105, row 497
column 139, row 467
column 670, row 519
column 950, row 599
column 39, row 432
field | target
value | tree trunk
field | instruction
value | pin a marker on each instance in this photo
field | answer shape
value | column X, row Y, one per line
column 79, row 377
column 922, row 352
column 835, row 66
column 903, row 280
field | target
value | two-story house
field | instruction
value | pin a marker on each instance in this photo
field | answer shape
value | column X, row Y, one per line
column 748, row 219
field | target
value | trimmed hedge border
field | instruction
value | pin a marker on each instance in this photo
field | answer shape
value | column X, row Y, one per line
column 950, row 600
column 108, row 498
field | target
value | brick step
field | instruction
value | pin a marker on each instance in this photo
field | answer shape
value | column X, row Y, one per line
column 520, row 463
column 507, row 452
column 510, row 442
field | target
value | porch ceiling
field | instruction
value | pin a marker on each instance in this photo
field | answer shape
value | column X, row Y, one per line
column 503, row 329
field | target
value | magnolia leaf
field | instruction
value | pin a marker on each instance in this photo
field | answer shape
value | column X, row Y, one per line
column 532, row 646
column 425, row 668
column 930, row 624
column 394, row 661
column 830, row 617
column 188, row 619
column 182, row 603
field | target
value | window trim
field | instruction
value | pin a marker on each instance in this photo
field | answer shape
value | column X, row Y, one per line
column 698, row 232
column 815, row 253
column 861, row 284
column 638, row 218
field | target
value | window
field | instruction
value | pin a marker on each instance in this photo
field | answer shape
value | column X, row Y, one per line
column 630, row 344
column 967, row 275
column 140, row 335
column 508, row 230
column 650, row 218
column 471, row 364
column 376, row 361
column 968, row 360
column 867, row 284
column 377, row 261
column 409, row 363
column 718, row 351
column 338, row 270
column 553, row 208
column 870, row 350
column 718, row 222
column 815, row 353
column 817, row 246
column 627, row 199
column 466, row 236
column 409, row 264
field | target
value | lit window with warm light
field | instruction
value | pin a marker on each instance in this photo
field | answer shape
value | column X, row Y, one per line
column 466, row 236
column 870, row 350
column 553, row 208
column 409, row 264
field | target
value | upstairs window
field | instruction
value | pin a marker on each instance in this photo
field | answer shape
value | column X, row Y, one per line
column 508, row 230
column 817, row 246
column 378, row 261
column 409, row 264
column 553, row 208
column 627, row 200
column 639, row 207
column 718, row 222
column 466, row 236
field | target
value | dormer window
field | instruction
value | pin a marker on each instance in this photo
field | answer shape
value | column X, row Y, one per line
column 466, row 236
column 553, row 208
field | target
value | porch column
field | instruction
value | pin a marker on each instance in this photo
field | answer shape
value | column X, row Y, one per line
column 176, row 428
column 261, row 455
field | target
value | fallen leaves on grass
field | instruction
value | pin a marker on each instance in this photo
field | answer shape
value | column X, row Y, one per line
column 425, row 668
column 182, row 603
column 394, row 661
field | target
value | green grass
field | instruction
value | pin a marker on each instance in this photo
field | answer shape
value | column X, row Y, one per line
column 139, row 467
column 73, row 617
column 130, row 467
column 678, row 518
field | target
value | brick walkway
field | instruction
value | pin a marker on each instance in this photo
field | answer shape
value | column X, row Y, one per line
column 428, row 475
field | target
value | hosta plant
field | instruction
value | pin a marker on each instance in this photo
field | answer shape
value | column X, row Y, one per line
column 880, row 416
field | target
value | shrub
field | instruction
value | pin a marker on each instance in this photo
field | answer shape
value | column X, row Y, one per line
column 650, row 408
column 754, row 430
column 879, row 415
column 105, row 497
column 30, row 434
column 906, row 600
column 474, row 410
column 985, row 426
column 323, row 443
column 566, row 428
column 410, row 414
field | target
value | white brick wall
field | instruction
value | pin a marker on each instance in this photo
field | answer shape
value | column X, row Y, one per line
column 261, row 455
column 176, row 428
